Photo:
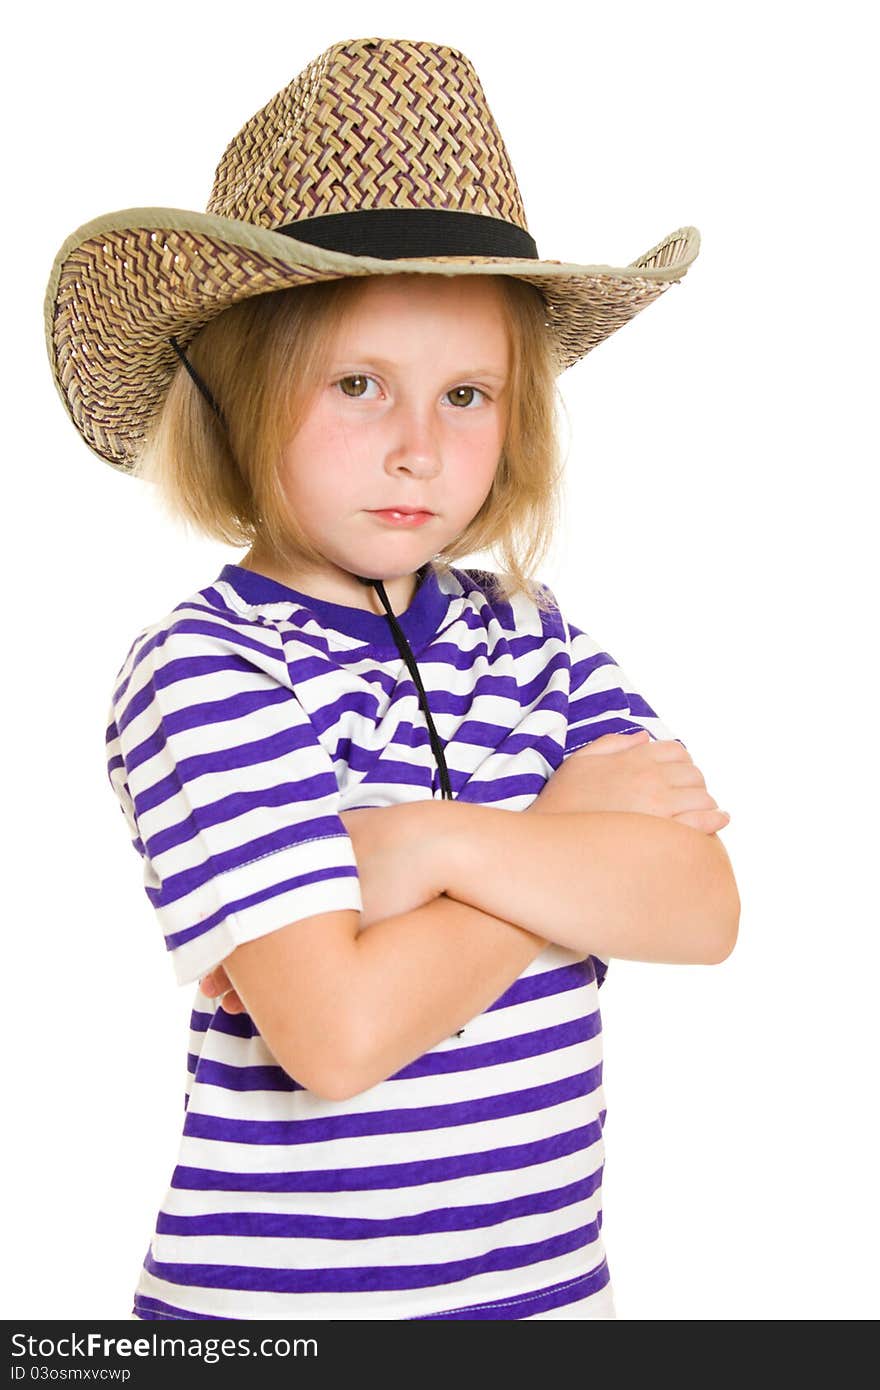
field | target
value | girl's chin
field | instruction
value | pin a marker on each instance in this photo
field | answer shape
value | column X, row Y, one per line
column 392, row 554
column 388, row 564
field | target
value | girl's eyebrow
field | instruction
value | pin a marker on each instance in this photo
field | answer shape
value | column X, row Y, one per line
column 488, row 373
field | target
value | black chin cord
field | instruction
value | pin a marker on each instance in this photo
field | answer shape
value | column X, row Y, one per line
column 404, row 649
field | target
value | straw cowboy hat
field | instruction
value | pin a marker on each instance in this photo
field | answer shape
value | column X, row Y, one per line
column 381, row 157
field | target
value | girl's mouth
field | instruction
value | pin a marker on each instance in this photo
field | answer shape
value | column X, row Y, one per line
column 393, row 517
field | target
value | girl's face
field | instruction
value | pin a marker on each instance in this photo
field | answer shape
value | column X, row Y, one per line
column 411, row 414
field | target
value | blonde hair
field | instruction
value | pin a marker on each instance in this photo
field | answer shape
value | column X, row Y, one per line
column 262, row 360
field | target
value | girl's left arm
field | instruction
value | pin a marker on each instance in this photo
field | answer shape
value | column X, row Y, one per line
column 615, row 884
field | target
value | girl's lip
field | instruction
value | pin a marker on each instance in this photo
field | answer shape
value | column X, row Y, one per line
column 400, row 516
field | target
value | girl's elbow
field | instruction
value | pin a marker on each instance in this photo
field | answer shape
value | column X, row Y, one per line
column 345, row 1084
column 325, row 1068
column 348, row 1073
column 321, row 1081
column 722, row 944
column 336, row 1087
column 726, row 917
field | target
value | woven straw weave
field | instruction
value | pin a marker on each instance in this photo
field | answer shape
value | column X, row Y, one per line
column 398, row 124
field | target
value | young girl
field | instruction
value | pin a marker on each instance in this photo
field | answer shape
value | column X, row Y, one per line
column 350, row 364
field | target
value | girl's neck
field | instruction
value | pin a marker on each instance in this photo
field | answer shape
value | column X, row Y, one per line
column 338, row 586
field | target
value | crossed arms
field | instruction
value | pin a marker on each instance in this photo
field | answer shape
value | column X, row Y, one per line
column 460, row 898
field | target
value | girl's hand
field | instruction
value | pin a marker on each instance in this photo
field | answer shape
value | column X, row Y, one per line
column 218, row 982
column 654, row 776
column 394, row 848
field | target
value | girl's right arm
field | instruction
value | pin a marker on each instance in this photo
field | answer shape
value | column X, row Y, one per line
column 342, row 1009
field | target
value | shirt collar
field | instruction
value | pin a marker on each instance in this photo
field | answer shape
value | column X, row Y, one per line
column 419, row 622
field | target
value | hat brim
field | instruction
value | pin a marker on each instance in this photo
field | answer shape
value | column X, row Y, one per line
column 124, row 283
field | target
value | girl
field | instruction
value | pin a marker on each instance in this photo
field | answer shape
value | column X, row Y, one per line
column 349, row 363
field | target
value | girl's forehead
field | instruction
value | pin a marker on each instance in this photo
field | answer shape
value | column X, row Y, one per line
column 396, row 305
column 394, row 319
column 478, row 290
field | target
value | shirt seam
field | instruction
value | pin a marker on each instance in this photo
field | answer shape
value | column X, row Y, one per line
column 528, row 1297
column 494, row 1303
column 312, row 840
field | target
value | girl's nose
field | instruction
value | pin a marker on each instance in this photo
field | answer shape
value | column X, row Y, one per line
column 414, row 446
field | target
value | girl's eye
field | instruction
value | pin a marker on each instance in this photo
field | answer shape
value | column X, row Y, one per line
column 360, row 380
column 474, row 391
column 354, row 395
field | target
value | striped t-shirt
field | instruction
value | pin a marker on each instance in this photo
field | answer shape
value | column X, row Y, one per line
column 468, row 1184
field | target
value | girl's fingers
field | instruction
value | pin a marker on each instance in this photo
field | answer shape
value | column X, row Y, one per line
column 669, row 750
column 218, row 982
column 683, row 775
column 612, row 743
column 232, row 1003
column 709, row 822
column 215, row 982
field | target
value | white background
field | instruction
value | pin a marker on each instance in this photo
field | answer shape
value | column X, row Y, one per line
column 721, row 509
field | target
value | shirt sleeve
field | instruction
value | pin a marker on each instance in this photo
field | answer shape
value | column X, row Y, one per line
column 230, row 798
column 602, row 700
